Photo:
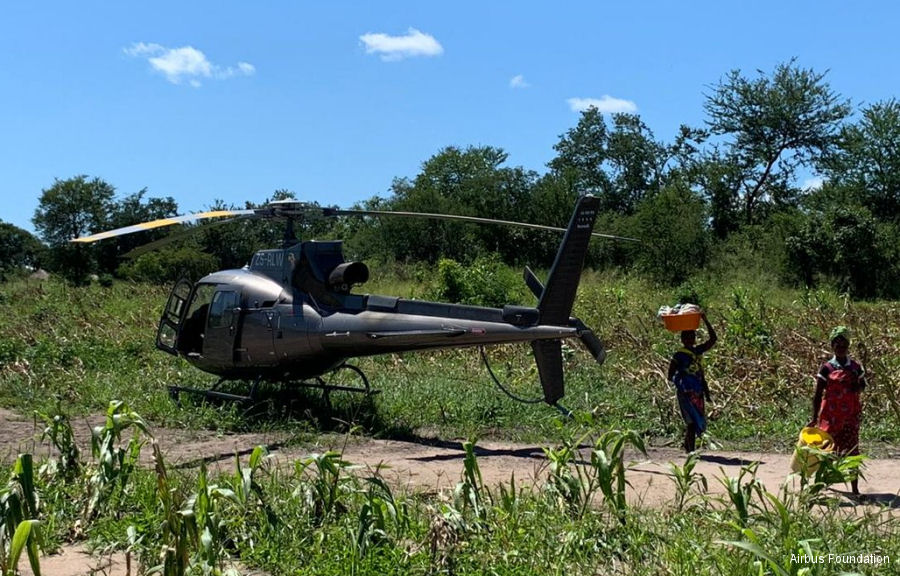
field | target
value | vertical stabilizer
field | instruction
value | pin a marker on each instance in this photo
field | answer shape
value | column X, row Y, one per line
column 558, row 296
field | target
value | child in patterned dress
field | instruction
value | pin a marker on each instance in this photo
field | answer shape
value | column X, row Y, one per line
column 686, row 373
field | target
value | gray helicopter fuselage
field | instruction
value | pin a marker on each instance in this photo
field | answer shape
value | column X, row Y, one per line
column 255, row 326
column 289, row 314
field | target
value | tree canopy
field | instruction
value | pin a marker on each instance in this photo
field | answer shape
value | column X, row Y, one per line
column 866, row 161
column 771, row 125
column 72, row 208
column 723, row 194
column 18, row 249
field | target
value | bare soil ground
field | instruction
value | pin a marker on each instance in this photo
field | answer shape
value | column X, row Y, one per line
column 428, row 465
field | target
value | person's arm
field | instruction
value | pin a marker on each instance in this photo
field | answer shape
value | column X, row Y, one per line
column 713, row 337
column 673, row 368
column 817, row 398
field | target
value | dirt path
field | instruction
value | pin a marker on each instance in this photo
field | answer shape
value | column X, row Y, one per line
column 426, row 465
column 432, row 465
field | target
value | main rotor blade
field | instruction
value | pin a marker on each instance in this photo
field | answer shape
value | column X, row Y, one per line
column 160, row 223
column 175, row 236
column 473, row 219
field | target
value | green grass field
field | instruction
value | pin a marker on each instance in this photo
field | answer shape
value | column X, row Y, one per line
column 69, row 351
column 84, row 346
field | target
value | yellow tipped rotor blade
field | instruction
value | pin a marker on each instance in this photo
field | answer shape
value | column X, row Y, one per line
column 160, row 223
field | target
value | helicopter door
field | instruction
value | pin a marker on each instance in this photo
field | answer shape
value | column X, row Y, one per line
column 173, row 315
column 221, row 327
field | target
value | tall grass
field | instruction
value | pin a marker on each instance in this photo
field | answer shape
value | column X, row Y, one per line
column 325, row 516
column 20, row 518
column 81, row 346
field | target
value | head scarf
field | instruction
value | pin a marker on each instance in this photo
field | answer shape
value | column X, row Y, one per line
column 839, row 332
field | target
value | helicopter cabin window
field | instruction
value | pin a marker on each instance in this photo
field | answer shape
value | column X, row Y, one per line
column 179, row 296
column 221, row 310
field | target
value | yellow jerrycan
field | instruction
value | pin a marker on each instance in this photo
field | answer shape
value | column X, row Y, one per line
column 806, row 460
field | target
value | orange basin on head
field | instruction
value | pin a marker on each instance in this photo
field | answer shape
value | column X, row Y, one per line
column 681, row 322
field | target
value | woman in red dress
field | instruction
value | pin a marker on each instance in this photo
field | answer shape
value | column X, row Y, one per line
column 836, row 405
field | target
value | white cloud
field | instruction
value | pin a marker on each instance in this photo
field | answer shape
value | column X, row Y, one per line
column 814, row 183
column 142, row 49
column 186, row 64
column 242, row 69
column 518, row 81
column 415, row 43
column 607, row 104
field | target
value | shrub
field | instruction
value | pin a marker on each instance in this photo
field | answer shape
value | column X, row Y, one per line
column 169, row 266
column 845, row 246
column 486, row 282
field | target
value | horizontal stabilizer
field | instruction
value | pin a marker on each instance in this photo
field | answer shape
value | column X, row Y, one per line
column 593, row 345
column 535, row 285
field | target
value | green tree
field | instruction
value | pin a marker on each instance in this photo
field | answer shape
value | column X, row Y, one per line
column 18, row 249
column 363, row 237
column 551, row 202
column 620, row 161
column 718, row 180
column 675, row 240
column 233, row 242
column 866, row 162
column 72, row 208
column 133, row 209
column 621, row 164
column 168, row 265
column 581, row 154
column 845, row 246
column 468, row 182
column 69, row 209
column 636, row 162
column 771, row 125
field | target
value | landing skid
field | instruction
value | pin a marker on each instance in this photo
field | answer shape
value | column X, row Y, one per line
column 318, row 382
column 213, row 393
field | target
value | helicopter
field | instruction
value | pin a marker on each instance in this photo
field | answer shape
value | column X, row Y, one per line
column 290, row 315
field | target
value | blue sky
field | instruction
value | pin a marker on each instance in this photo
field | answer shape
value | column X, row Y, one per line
column 203, row 100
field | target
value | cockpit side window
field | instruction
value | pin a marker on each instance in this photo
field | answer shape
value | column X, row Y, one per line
column 202, row 297
column 221, row 310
